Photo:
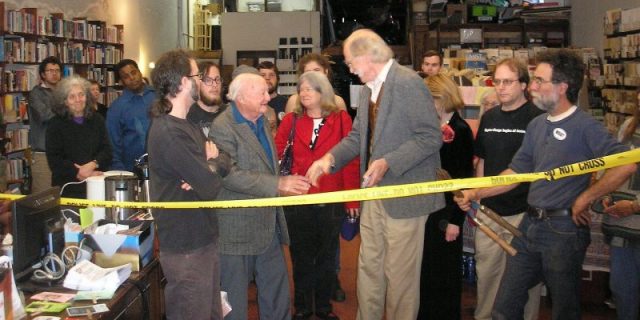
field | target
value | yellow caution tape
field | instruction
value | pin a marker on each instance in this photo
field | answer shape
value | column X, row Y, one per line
column 386, row 192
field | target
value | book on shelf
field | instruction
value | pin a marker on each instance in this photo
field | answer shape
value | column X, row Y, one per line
column 14, row 106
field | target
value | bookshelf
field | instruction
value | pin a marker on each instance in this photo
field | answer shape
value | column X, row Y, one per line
column 87, row 47
column 621, row 64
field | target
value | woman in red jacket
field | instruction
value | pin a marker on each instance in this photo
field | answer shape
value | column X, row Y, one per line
column 319, row 125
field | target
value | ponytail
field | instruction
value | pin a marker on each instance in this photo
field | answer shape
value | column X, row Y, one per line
column 161, row 106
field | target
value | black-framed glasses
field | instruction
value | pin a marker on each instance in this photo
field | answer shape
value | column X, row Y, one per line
column 199, row 76
column 539, row 81
column 210, row 81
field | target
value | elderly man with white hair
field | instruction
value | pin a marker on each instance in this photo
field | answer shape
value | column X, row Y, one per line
column 397, row 136
column 251, row 239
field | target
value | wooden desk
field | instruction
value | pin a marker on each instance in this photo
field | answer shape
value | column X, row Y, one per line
column 140, row 297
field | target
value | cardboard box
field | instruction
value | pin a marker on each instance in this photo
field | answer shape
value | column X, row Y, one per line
column 111, row 250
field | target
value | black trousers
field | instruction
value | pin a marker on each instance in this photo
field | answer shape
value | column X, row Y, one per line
column 441, row 274
column 314, row 230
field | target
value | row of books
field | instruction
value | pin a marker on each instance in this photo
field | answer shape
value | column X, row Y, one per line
column 14, row 108
column 19, row 77
column 620, row 100
column 18, row 139
column 106, row 77
column 27, row 21
column 21, row 50
column 15, row 169
column 627, row 46
column 626, row 73
column 618, row 20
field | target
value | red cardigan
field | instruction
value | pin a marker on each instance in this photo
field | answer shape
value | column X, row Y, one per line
column 336, row 126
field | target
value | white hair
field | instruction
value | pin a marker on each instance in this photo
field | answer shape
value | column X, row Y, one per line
column 240, row 83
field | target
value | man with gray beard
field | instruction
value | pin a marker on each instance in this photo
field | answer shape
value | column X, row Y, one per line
column 556, row 225
column 210, row 105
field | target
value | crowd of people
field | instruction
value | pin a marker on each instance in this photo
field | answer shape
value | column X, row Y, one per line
column 409, row 128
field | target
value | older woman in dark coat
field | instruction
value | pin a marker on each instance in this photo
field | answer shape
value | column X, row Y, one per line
column 77, row 145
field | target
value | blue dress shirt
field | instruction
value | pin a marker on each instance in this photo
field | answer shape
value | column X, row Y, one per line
column 127, row 125
column 257, row 128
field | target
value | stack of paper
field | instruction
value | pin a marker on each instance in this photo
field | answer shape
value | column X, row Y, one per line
column 88, row 276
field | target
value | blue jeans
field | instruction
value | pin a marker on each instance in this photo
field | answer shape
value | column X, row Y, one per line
column 553, row 252
column 625, row 281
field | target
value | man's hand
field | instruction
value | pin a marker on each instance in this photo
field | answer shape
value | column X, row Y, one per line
column 620, row 208
column 464, row 202
column 185, row 186
column 293, row 185
column 318, row 168
column 452, row 232
column 354, row 213
column 375, row 173
column 211, row 150
column 86, row 170
column 580, row 212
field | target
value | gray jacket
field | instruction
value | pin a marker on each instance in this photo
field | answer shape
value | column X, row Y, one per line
column 407, row 136
column 247, row 231
column 40, row 110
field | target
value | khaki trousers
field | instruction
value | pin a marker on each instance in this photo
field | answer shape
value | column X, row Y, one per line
column 389, row 264
column 490, row 264
column 40, row 172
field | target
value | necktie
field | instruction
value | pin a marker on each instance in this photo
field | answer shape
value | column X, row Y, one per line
column 373, row 116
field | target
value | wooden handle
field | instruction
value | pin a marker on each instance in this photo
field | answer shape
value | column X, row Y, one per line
column 501, row 221
column 503, row 244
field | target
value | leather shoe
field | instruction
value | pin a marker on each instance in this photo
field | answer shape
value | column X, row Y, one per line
column 327, row 315
column 301, row 316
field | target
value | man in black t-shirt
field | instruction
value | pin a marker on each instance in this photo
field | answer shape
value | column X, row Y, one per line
column 203, row 111
column 499, row 137
column 269, row 72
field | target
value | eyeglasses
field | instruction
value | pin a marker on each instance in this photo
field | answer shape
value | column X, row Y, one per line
column 539, row 81
column 506, row 82
column 210, row 81
column 52, row 71
column 199, row 76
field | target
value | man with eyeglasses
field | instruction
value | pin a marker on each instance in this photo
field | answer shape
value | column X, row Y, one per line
column 128, row 116
column 556, row 225
column 40, row 109
column 499, row 137
column 210, row 105
column 185, row 167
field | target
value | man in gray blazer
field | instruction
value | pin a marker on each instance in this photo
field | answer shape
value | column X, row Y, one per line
column 401, row 145
column 251, row 238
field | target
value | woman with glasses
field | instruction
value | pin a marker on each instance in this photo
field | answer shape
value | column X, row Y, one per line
column 77, row 145
column 316, row 125
column 319, row 63
column 441, row 278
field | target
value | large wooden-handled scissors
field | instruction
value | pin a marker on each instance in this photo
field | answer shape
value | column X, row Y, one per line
column 497, row 218
column 444, row 175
